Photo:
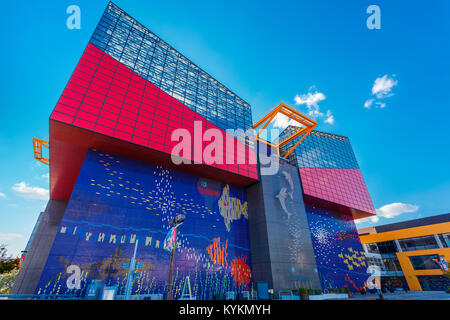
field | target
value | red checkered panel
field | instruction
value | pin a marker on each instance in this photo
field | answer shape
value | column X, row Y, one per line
column 105, row 96
column 342, row 186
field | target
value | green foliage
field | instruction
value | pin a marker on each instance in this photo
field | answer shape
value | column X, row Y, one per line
column 339, row 290
column 314, row 291
column 7, row 265
column 7, row 281
column 302, row 291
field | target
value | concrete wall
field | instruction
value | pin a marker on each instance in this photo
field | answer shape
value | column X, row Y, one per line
column 39, row 249
column 259, row 240
column 280, row 240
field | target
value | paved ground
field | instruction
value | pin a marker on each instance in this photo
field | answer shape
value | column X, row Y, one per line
column 411, row 295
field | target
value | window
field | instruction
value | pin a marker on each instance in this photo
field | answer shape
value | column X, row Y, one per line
column 373, row 261
column 434, row 283
column 386, row 247
column 372, row 247
column 424, row 262
column 419, row 243
column 392, row 264
column 445, row 239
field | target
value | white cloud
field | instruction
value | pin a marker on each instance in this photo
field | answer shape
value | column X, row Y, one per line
column 330, row 117
column 380, row 104
column 9, row 236
column 395, row 209
column 373, row 219
column 382, row 87
column 390, row 211
column 282, row 121
column 2, row 195
column 26, row 191
column 368, row 103
column 311, row 100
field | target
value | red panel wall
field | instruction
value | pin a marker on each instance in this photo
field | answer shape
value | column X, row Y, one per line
column 344, row 187
column 105, row 96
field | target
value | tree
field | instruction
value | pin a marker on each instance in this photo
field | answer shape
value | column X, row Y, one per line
column 7, row 264
column 7, row 281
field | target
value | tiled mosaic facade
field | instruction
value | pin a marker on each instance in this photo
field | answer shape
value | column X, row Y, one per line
column 132, row 90
column 338, row 251
column 117, row 201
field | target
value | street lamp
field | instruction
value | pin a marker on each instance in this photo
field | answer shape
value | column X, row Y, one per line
column 174, row 223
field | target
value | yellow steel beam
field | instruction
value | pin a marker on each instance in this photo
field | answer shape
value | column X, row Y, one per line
column 267, row 116
column 293, row 136
column 299, row 141
column 37, row 148
column 309, row 125
column 272, row 115
column 309, row 120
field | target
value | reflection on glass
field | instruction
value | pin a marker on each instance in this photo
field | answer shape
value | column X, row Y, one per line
column 419, row 243
column 424, row 262
column 445, row 239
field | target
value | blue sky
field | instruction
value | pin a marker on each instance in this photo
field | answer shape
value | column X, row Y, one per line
column 318, row 51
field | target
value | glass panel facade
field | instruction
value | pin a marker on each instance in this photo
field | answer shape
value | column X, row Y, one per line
column 445, row 239
column 385, row 264
column 386, row 247
column 328, row 169
column 419, row 243
column 392, row 264
column 371, row 247
column 434, row 283
column 375, row 261
column 129, row 42
column 321, row 150
column 424, row 262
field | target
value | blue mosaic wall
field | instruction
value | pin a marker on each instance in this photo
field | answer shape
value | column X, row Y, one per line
column 117, row 201
column 339, row 254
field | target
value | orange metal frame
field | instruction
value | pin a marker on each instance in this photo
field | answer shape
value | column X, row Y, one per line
column 37, row 148
column 411, row 275
column 308, row 124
